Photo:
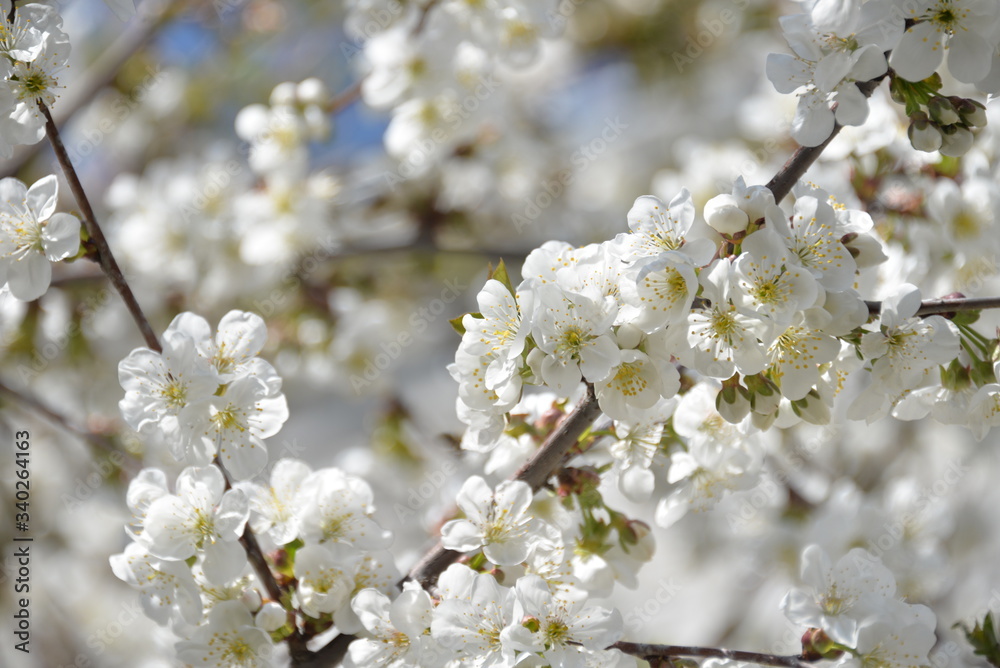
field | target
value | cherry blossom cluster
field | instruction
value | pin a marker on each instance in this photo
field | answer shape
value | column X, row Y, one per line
column 33, row 53
column 207, row 394
column 853, row 611
column 524, row 594
column 191, row 570
column 844, row 42
column 719, row 326
column 437, row 65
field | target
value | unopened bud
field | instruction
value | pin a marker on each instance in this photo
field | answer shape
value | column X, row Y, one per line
column 271, row 617
column 312, row 91
column 924, row 135
column 724, row 215
column 284, row 95
column 812, row 409
column 973, row 114
column 251, row 599
column 955, row 141
column 942, row 111
column 733, row 402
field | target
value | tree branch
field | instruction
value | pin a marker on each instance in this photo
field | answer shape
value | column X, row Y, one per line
column 296, row 643
column 649, row 652
column 944, row 306
column 535, row 472
column 99, row 441
column 101, row 248
column 805, row 156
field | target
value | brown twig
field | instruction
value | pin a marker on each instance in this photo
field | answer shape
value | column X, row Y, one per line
column 939, row 306
column 103, row 253
column 535, row 472
column 650, row 652
column 805, row 156
column 99, row 441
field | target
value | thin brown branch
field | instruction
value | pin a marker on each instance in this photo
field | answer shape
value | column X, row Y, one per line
column 944, row 306
column 535, row 472
column 652, row 652
column 805, row 156
column 344, row 99
column 99, row 441
column 296, row 643
column 103, row 253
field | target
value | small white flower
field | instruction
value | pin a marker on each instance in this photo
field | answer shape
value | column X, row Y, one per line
column 498, row 521
column 333, row 506
column 768, row 280
column 33, row 235
column 273, row 508
column 722, row 336
column 657, row 227
column 166, row 588
column 228, row 640
column 201, row 518
column 963, row 28
column 574, row 332
column 325, row 575
column 841, row 598
column 398, row 629
column 473, row 623
column 567, row 629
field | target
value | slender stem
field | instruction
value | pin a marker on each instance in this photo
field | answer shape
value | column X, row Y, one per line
column 944, row 306
column 102, row 250
column 648, row 652
column 296, row 643
column 805, row 156
column 13, row 11
column 344, row 99
column 95, row 439
column 535, row 472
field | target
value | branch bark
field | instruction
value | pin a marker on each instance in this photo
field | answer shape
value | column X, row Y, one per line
column 648, row 652
column 805, row 156
column 943, row 306
column 535, row 472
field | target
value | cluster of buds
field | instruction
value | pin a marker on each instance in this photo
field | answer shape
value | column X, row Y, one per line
column 947, row 125
column 938, row 123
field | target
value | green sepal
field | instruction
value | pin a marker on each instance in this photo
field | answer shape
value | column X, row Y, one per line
column 966, row 317
column 458, row 326
column 500, row 274
column 983, row 639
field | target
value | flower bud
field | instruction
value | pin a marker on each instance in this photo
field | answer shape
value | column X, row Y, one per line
column 924, row 135
column 942, row 111
column 725, row 216
column 973, row 114
column 271, row 617
column 955, row 141
column 754, row 200
column 251, row 599
column 312, row 91
column 733, row 402
column 284, row 95
column 812, row 409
